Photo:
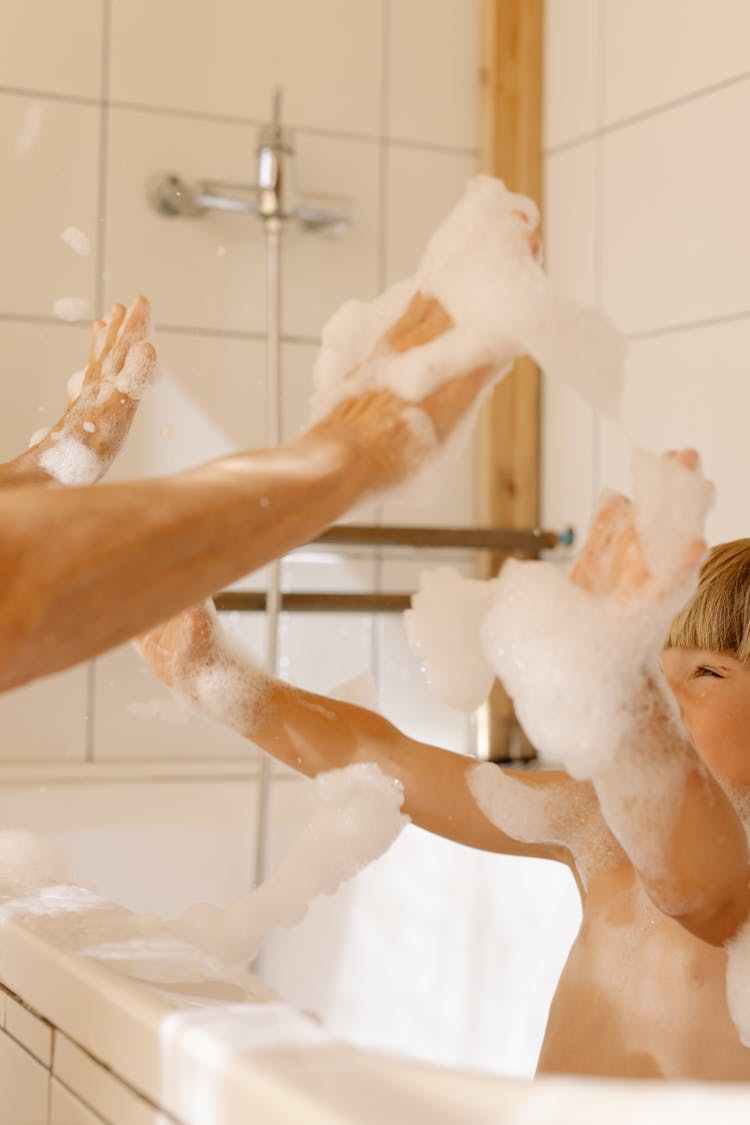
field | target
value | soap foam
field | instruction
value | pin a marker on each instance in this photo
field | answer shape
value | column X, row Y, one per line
column 573, row 661
column 72, row 308
column 70, row 462
column 443, row 631
column 478, row 264
column 355, row 816
column 557, row 812
column 77, row 240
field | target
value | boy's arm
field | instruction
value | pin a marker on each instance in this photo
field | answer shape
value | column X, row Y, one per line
column 665, row 807
column 84, row 569
column 81, row 446
column 313, row 734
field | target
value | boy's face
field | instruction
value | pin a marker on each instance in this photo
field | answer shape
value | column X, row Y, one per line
column 713, row 691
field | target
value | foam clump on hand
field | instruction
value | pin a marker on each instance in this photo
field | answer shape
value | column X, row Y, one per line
column 354, row 815
column 443, row 630
column 573, row 659
column 480, row 267
column 70, row 462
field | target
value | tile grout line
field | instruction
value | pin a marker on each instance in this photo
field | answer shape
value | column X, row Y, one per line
column 644, row 115
column 596, row 434
column 376, row 622
column 243, row 122
column 101, row 241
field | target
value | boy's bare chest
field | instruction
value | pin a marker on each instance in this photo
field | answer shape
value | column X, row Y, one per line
column 640, row 995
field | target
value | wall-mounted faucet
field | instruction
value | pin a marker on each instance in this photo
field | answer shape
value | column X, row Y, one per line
column 273, row 196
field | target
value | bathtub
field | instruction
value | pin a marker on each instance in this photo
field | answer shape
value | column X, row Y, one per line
column 106, row 1017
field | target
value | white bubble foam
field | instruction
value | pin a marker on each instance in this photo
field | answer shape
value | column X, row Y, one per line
column 576, row 662
column 354, row 816
column 71, row 462
column 443, row 630
column 77, row 240
column 536, row 811
column 72, row 308
column 135, row 377
column 479, row 266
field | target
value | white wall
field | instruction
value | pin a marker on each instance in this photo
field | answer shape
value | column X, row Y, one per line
column 647, row 181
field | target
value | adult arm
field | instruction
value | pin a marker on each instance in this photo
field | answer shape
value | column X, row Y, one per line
column 84, row 569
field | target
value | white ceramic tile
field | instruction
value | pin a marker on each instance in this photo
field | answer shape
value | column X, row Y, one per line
column 433, row 71
column 321, row 651
column 29, row 1030
column 211, row 271
column 204, row 272
column 403, row 696
column 321, row 271
column 676, row 236
column 691, row 389
column 570, row 69
column 655, row 53
column 422, row 188
column 66, row 1109
column 99, row 1089
column 24, row 1083
column 229, row 55
column 46, row 720
column 50, row 181
column 150, row 846
column 38, row 360
column 137, row 717
column 209, row 401
column 569, row 220
column 52, row 47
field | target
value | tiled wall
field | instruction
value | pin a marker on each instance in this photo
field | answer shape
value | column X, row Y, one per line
column 647, row 180
column 98, row 96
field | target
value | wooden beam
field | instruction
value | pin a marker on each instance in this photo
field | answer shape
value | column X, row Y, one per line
column 511, row 142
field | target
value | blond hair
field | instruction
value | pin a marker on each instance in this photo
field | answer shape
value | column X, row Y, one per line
column 718, row 615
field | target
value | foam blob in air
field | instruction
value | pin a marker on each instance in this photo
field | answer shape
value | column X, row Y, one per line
column 572, row 659
column 72, row 308
column 354, row 815
column 443, row 631
column 71, row 462
column 78, row 241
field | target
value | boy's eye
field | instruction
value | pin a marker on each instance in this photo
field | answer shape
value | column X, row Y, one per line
column 702, row 670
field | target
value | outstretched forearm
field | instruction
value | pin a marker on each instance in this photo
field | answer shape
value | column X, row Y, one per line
column 674, row 820
column 85, row 569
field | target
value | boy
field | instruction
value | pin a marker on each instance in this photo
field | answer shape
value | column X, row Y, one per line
column 656, row 842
